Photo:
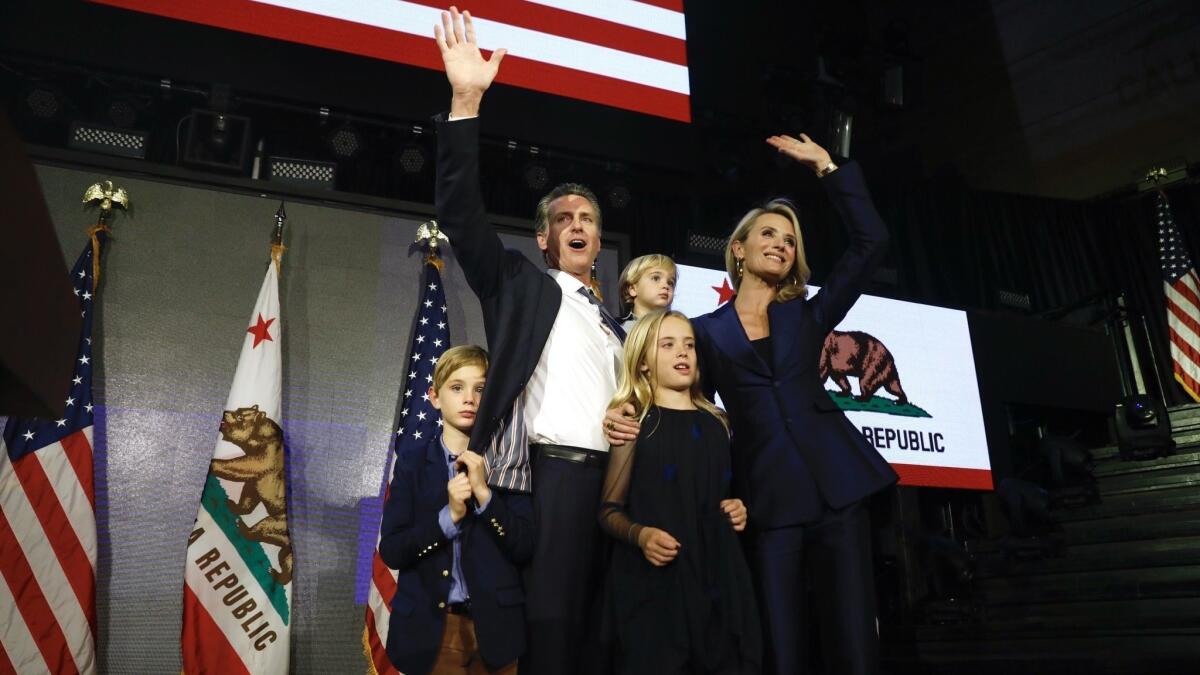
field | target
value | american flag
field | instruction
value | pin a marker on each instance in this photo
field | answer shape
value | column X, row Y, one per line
column 630, row 54
column 1183, row 301
column 48, row 524
column 419, row 420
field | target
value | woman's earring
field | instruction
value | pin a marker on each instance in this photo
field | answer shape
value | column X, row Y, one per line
column 739, row 267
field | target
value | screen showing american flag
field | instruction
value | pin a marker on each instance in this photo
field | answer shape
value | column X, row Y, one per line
column 628, row 54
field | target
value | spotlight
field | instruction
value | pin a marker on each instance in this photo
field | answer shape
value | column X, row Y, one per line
column 217, row 140
column 705, row 244
column 110, row 141
column 302, row 172
column 537, row 176
column 1143, row 428
column 44, row 102
column 619, row 196
column 412, row 158
column 122, row 112
column 345, row 142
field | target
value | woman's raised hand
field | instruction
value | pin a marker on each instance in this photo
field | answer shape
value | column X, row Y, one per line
column 802, row 149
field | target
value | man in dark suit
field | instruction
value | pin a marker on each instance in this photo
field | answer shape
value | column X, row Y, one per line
column 456, row 543
column 555, row 352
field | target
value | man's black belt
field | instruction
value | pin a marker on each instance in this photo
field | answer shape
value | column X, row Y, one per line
column 572, row 454
column 460, row 608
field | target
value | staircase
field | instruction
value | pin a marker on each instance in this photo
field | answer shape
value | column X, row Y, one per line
column 1119, row 592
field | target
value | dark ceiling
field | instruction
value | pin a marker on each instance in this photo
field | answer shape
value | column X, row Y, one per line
column 1066, row 99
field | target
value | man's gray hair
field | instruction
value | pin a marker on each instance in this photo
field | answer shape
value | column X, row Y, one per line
column 541, row 218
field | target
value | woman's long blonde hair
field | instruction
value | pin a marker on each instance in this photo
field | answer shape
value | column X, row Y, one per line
column 637, row 386
column 795, row 282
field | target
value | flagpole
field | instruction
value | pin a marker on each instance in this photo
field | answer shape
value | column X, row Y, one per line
column 277, row 247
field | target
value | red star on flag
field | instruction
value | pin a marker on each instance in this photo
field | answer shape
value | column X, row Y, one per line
column 260, row 330
column 725, row 291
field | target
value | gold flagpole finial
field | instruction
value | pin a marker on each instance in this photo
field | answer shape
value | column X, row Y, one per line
column 106, row 196
column 428, row 235
column 277, row 247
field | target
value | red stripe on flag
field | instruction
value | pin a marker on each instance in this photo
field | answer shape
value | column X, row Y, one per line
column 1185, row 289
column 380, row 43
column 59, row 533
column 32, row 603
column 79, row 454
column 1189, row 385
column 944, row 476
column 381, row 576
column 1188, row 351
column 595, row 88
column 673, row 5
column 1183, row 317
column 545, row 19
column 204, row 647
column 1187, row 381
column 6, row 665
column 379, row 657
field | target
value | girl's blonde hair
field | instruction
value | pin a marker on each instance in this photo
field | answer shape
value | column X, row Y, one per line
column 635, row 269
column 795, row 282
column 637, row 386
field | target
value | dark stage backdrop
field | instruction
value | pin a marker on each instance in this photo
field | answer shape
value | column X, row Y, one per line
column 957, row 247
column 179, row 282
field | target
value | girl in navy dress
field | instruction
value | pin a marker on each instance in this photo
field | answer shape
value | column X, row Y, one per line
column 679, row 598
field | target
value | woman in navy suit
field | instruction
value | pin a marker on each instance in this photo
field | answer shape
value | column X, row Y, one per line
column 802, row 468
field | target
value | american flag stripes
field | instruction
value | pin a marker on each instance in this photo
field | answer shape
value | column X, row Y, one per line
column 48, row 524
column 419, row 421
column 1183, row 301
column 630, row 54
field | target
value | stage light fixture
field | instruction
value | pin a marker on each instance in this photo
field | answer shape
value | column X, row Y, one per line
column 345, row 141
column 537, row 176
column 412, row 158
column 44, row 102
column 619, row 196
column 122, row 112
column 1143, row 428
column 217, row 140
column 108, row 140
column 302, row 172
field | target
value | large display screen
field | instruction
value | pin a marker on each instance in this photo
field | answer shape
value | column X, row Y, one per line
column 621, row 53
column 926, row 418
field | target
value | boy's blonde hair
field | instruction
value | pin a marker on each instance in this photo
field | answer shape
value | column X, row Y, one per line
column 458, row 357
column 637, row 386
column 635, row 269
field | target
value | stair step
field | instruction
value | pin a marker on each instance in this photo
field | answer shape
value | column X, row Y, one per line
column 985, row 650
column 1136, row 584
column 1131, row 528
column 1106, row 469
column 1133, row 503
column 1165, row 477
column 1179, row 613
column 1094, row 557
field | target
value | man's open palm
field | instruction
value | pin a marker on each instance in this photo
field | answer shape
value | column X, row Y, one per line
column 469, row 73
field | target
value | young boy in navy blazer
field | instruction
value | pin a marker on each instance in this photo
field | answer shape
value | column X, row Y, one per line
column 456, row 542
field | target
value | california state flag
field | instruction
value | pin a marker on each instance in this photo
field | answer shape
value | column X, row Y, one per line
column 237, row 595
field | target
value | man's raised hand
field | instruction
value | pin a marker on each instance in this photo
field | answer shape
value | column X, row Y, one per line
column 468, row 72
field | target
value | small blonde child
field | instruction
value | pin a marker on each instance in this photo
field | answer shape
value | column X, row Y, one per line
column 679, row 595
column 647, row 284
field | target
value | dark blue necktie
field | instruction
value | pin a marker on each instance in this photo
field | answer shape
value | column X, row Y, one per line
column 613, row 324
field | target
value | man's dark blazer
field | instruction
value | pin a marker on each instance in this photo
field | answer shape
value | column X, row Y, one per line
column 792, row 447
column 493, row 545
column 519, row 300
